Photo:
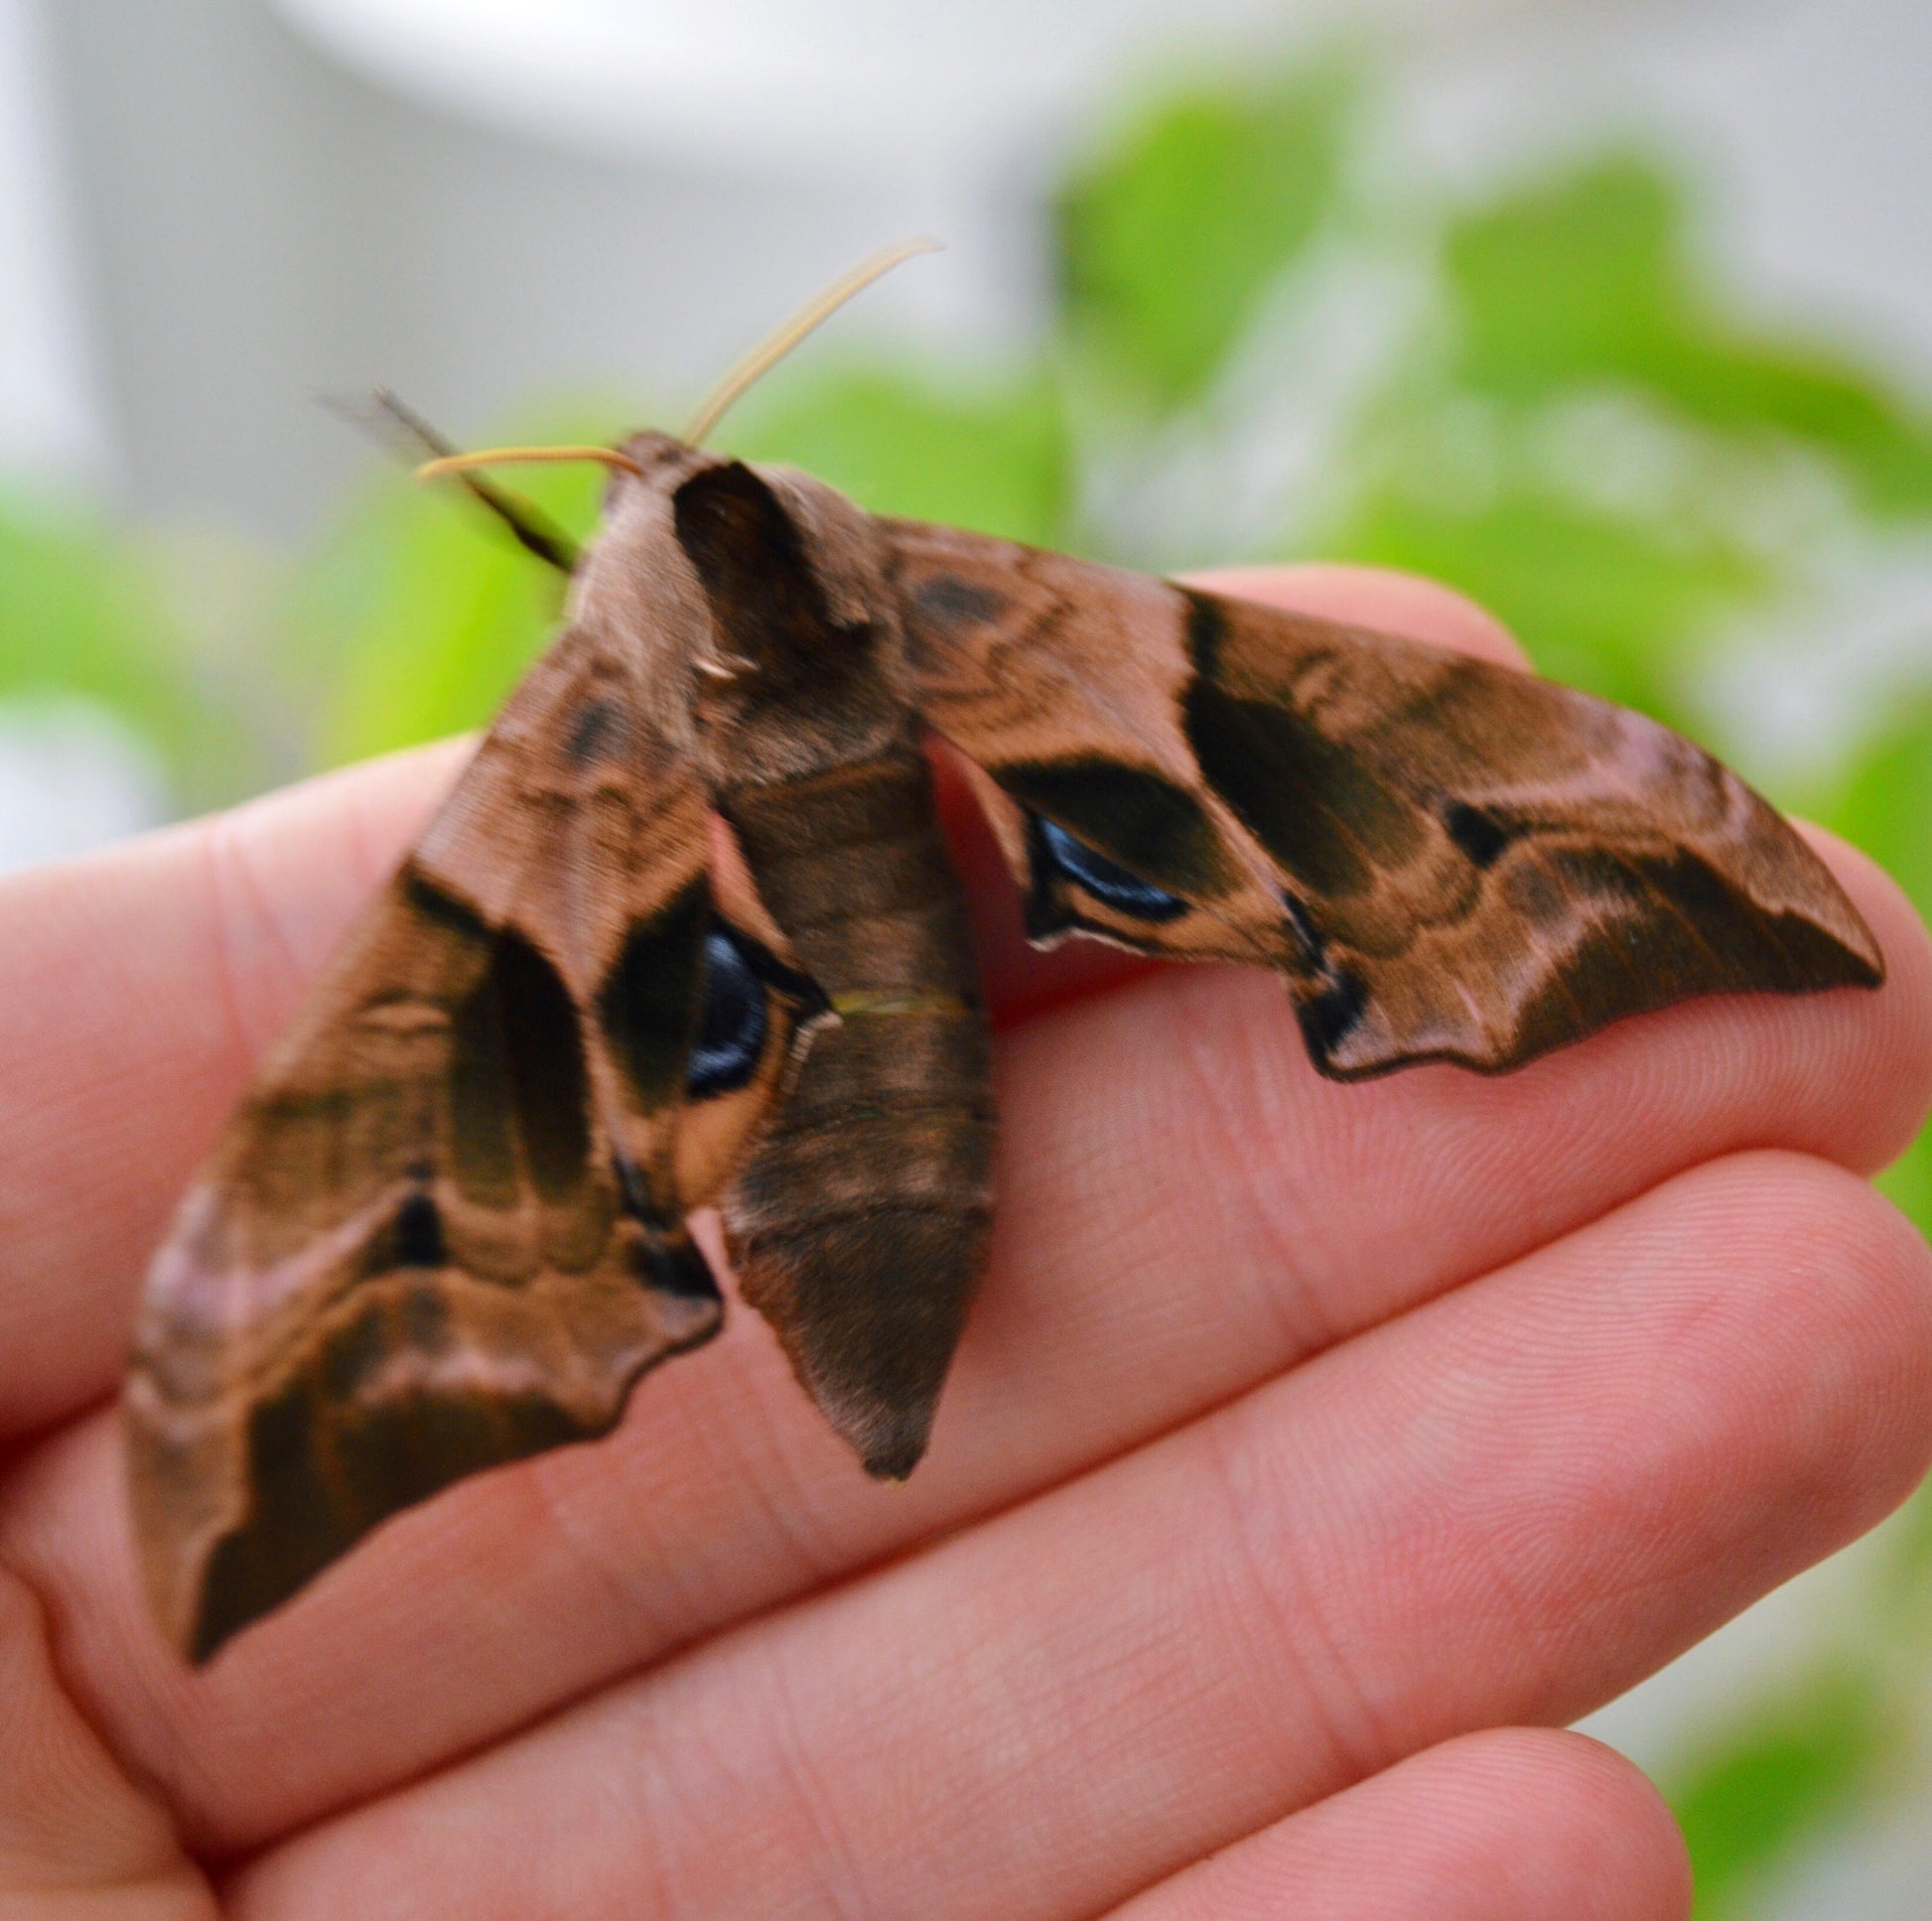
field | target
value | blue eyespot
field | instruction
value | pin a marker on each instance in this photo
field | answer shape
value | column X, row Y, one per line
column 733, row 1032
column 1112, row 886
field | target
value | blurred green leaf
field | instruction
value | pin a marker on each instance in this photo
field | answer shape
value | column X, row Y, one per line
column 1776, row 1780
column 1565, row 280
column 421, row 612
column 996, row 460
column 1594, row 277
column 1171, row 238
column 1602, row 602
column 1885, row 804
column 81, row 615
column 1885, row 807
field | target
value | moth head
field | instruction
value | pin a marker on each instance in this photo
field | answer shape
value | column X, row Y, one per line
column 653, row 457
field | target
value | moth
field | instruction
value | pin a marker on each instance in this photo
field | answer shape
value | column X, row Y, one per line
column 686, row 932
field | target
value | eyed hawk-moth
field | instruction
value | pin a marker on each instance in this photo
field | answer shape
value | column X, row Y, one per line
column 686, row 934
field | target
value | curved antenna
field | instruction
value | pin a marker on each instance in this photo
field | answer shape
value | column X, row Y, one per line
column 770, row 352
column 525, row 456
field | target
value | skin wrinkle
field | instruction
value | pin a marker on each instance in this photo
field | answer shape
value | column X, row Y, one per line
column 1350, row 1730
column 1414, row 1536
column 60, row 1616
column 557, row 1526
column 132, row 1843
column 1283, row 1238
column 835, row 1870
column 748, row 1448
column 657, row 1800
column 758, row 1441
column 247, row 927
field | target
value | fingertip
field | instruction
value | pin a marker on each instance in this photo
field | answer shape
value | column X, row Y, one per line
column 1618, row 1844
column 1895, row 1074
column 1508, row 1824
column 1384, row 599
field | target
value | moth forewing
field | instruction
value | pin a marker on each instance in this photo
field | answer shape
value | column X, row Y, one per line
column 444, row 1230
column 1467, row 862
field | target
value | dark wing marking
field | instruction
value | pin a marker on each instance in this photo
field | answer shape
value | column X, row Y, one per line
column 1449, row 858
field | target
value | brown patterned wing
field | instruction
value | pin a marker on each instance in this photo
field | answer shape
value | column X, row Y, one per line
column 1449, row 858
column 445, row 1229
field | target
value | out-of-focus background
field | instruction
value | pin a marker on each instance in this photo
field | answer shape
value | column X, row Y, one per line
column 1618, row 314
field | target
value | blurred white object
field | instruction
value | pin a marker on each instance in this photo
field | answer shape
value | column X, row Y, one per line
column 71, row 777
column 757, row 83
column 48, row 415
column 952, row 86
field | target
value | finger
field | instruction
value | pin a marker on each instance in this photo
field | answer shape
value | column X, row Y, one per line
column 1384, row 599
column 78, row 1841
column 1519, row 1824
column 1186, row 1210
column 1502, row 1509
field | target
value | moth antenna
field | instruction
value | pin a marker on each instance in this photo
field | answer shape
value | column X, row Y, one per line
column 410, row 434
column 448, row 463
column 814, row 312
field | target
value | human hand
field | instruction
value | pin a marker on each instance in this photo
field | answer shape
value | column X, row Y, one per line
column 1314, row 1452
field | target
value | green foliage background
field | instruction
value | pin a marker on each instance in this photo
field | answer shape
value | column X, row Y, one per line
column 1574, row 423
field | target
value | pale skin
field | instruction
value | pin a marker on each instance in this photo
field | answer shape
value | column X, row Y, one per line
column 1315, row 1453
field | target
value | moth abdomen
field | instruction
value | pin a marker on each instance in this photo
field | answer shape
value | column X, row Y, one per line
column 859, row 1226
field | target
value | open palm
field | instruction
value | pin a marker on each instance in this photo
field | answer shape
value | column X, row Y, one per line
column 1313, row 1454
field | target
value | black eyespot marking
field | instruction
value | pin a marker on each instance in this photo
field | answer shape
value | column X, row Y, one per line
column 1134, row 813
column 648, row 1008
column 1054, row 849
column 733, row 1029
column 418, row 1233
column 1478, row 833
